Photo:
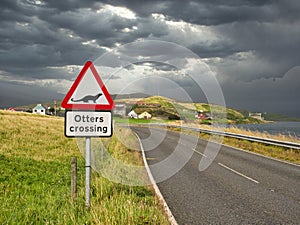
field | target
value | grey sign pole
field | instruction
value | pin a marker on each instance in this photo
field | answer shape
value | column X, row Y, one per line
column 87, row 172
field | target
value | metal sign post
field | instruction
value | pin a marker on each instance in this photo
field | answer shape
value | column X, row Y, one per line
column 88, row 114
column 87, row 171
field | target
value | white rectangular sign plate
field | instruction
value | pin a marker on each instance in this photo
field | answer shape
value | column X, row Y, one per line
column 88, row 124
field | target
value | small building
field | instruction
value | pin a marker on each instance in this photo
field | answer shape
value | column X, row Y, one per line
column 120, row 110
column 203, row 115
column 19, row 109
column 39, row 109
column 144, row 115
column 132, row 114
column 256, row 115
column 141, row 103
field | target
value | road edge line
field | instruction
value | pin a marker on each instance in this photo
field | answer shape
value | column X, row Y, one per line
column 166, row 208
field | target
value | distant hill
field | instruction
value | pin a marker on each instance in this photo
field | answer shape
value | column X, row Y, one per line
column 279, row 117
column 125, row 96
column 47, row 104
column 166, row 108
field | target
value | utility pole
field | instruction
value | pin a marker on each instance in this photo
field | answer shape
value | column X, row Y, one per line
column 54, row 107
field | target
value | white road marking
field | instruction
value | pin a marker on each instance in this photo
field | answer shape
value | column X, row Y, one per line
column 201, row 153
column 228, row 168
column 238, row 173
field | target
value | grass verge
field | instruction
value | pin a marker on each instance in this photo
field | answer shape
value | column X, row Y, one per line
column 35, row 179
column 287, row 154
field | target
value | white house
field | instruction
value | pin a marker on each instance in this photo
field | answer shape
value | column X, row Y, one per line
column 132, row 114
column 39, row 109
column 144, row 115
column 256, row 115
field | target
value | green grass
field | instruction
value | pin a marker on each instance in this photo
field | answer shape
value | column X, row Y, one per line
column 119, row 120
column 36, row 192
column 163, row 101
column 35, row 178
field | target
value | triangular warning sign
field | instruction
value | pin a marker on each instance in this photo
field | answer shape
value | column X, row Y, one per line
column 88, row 92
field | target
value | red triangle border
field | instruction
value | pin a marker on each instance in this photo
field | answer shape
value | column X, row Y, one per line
column 65, row 101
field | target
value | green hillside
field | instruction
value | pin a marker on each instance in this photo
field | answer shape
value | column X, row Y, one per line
column 278, row 117
column 169, row 109
column 157, row 106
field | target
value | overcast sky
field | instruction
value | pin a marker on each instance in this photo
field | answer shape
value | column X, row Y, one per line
column 252, row 46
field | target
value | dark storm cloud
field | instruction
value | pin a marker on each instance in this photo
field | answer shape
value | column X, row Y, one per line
column 277, row 95
column 208, row 12
column 46, row 37
column 35, row 36
column 106, row 27
column 15, row 94
column 273, row 43
column 30, row 42
column 220, row 49
column 267, row 27
column 246, row 42
column 70, row 5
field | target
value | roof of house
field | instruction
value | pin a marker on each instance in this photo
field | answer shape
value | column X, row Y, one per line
column 132, row 111
column 145, row 114
column 39, row 107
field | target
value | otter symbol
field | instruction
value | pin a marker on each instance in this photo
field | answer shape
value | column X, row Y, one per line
column 88, row 98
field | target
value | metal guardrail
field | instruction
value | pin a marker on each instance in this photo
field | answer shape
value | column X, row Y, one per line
column 268, row 141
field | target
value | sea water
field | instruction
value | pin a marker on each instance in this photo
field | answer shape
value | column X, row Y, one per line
column 285, row 128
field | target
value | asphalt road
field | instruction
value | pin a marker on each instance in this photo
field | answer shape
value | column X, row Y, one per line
column 237, row 188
